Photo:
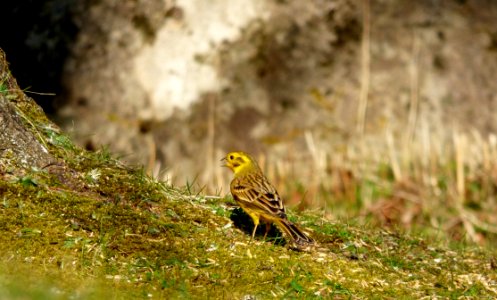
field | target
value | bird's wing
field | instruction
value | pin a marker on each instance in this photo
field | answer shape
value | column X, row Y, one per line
column 255, row 191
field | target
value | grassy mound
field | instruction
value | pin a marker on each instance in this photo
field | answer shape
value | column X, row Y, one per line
column 94, row 229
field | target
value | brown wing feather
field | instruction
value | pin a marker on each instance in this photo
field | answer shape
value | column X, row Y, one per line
column 255, row 192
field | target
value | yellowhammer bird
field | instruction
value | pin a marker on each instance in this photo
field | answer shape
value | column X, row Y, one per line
column 260, row 200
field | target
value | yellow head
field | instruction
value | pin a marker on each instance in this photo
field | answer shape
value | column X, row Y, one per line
column 240, row 162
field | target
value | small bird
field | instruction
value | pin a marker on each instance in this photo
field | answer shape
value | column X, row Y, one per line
column 260, row 200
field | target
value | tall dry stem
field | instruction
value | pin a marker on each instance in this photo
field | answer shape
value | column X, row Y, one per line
column 365, row 67
column 414, row 89
column 208, row 173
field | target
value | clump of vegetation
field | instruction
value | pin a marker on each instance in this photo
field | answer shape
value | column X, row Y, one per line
column 101, row 224
column 73, row 230
column 107, row 225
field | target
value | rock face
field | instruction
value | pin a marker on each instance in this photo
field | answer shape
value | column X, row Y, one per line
column 177, row 83
column 20, row 148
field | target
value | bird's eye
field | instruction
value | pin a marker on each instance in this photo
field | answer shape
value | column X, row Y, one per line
column 232, row 157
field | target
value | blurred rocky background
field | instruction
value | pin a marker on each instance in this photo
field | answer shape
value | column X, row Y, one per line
column 380, row 108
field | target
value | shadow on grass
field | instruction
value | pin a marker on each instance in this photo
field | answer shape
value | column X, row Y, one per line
column 244, row 222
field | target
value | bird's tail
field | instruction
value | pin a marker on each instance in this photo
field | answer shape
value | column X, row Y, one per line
column 298, row 239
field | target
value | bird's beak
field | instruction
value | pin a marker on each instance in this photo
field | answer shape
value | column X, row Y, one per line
column 225, row 162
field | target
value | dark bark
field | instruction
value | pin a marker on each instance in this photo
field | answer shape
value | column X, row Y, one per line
column 21, row 142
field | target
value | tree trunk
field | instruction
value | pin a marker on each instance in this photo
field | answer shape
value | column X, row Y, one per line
column 22, row 125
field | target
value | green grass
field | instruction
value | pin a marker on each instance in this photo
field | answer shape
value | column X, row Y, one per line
column 124, row 235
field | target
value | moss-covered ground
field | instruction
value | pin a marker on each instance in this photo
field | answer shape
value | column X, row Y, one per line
column 93, row 228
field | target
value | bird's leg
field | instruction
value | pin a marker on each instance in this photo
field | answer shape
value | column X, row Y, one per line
column 256, row 223
column 268, row 227
column 253, row 232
